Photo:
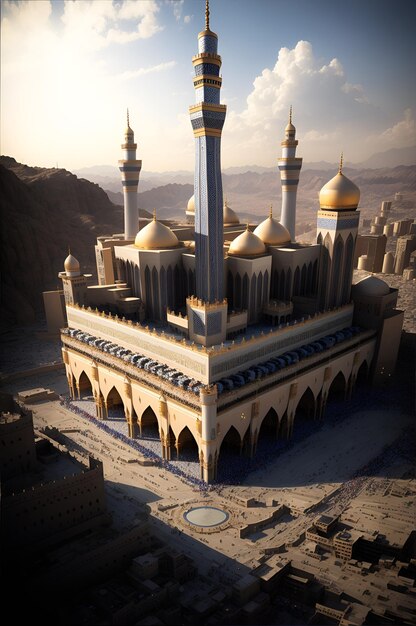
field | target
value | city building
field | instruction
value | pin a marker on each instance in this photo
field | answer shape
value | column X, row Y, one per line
column 212, row 332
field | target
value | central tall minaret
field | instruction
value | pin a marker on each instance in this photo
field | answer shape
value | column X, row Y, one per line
column 130, row 168
column 289, row 167
column 207, row 118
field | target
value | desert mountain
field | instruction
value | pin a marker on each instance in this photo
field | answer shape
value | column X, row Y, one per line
column 42, row 212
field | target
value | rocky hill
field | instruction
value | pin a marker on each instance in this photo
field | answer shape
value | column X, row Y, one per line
column 42, row 212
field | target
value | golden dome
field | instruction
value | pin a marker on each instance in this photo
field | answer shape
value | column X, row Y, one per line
column 290, row 128
column 71, row 264
column 155, row 236
column 230, row 217
column 339, row 193
column 190, row 208
column 247, row 244
column 272, row 232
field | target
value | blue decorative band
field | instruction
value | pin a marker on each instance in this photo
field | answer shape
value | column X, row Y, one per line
column 214, row 323
column 207, row 123
column 207, row 68
column 129, row 168
column 292, row 181
column 129, row 183
column 290, row 167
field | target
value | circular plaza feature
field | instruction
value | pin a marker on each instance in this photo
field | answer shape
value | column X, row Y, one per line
column 206, row 517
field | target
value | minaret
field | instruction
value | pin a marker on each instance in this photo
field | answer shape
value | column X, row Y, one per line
column 130, row 172
column 289, row 167
column 207, row 118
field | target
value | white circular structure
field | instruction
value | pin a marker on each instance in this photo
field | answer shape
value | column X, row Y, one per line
column 206, row 516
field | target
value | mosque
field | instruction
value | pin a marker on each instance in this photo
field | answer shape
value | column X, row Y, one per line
column 215, row 331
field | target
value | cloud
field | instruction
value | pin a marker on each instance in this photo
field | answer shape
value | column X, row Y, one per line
column 98, row 21
column 142, row 71
column 400, row 135
column 330, row 112
column 187, row 19
column 177, row 6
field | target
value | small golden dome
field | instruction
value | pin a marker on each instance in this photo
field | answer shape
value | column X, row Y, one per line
column 155, row 236
column 247, row 244
column 190, row 208
column 290, row 128
column 230, row 217
column 371, row 286
column 272, row 232
column 129, row 131
column 71, row 264
column 339, row 193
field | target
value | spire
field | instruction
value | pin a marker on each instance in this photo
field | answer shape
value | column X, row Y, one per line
column 128, row 120
column 290, row 114
column 271, row 211
column 247, row 227
column 207, row 15
column 341, row 163
column 154, row 215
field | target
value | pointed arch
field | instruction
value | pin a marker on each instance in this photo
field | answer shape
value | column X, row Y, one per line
column 155, row 290
column 296, row 282
column 309, row 279
column 244, row 296
column 163, row 290
column 336, row 277
column 148, row 424
column 149, row 307
column 186, row 446
column 303, row 280
column 348, row 269
column 178, row 286
column 230, row 289
column 288, row 287
column 85, row 385
column 362, row 374
column 232, row 442
column 338, row 386
column 169, row 287
column 237, row 293
column 314, row 285
column 269, row 427
column 306, row 405
column 266, row 295
column 115, row 405
column 282, row 284
column 259, row 302
column 253, row 293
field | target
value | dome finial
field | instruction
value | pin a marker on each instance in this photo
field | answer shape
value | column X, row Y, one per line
column 290, row 114
column 248, row 226
column 341, row 162
column 207, row 15
column 271, row 211
column 128, row 120
column 69, row 249
column 154, row 215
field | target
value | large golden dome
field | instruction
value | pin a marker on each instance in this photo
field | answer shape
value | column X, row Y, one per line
column 272, row 232
column 247, row 244
column 71, row 264
column 191, row 205
column 230, row 217
column 339, row 193
column 155, row 236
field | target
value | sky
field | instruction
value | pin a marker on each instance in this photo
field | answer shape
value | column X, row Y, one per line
column 69, row 70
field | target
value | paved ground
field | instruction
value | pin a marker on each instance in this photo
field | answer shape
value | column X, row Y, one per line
column 300, row 476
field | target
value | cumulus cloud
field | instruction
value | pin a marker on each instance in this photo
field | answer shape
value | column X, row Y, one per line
column 327, row 107
column 403, row 133
column 142, row 71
